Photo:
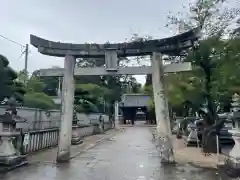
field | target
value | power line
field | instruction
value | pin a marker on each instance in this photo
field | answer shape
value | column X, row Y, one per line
column 21, row 55
column 11, row 41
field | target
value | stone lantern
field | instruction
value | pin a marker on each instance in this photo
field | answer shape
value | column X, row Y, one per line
column 10, row 157
column 234, row 155
column 235, row 103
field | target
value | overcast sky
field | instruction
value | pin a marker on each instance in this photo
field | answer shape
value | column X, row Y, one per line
column 78, row 21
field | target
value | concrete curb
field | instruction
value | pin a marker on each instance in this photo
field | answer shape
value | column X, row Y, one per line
column 81, row 147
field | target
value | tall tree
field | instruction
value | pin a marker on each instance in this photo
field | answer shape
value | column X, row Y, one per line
column 216, row 20
column 215, row 17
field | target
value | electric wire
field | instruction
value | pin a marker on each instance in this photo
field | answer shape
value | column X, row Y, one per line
column 8, row 39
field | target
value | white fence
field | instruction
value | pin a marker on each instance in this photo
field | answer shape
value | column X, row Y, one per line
column 47, row 138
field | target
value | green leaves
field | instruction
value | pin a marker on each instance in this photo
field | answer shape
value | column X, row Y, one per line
column 18, row 91
column 34, row 84
column 38, row 100
column 8, row 75
column 89, row 97
column 215, row 17
column 215, row 75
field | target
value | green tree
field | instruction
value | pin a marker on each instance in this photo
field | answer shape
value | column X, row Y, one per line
column 38, row 100
column 11, row 88
column 7, row 78
column 182, row 88
column 215, row 17
column 35, row 84
column 21, row 76
column 50, row 83
column 216, row 20
column 35, row 97
column 19, row 90
column 89, row 97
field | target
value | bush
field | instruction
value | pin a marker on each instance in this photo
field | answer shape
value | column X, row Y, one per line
column 38, row 100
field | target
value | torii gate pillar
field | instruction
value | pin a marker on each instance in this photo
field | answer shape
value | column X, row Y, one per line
column 65, row 135
column 161, row 110
column 116, row 120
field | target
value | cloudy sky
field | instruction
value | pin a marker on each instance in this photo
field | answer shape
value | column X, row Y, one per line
column 78, row 21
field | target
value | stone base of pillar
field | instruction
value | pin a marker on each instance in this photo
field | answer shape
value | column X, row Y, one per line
column 63, row 156
column 164, row 147
column 9, row 157
column 12, row 162
column 76, row 139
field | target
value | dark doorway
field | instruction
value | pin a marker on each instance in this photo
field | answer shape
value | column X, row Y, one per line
column 133, row 114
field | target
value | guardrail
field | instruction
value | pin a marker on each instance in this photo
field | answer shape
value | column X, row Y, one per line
column 47, row 138
column 41, row 139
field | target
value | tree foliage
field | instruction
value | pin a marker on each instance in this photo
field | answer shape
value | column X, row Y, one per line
column 35, row 96
column 215, row 17
column 89, row 97
column 215, row 76
column 38, row 100
column 11, row 88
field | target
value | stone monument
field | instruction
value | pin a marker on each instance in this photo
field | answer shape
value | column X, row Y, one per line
column 76, row 139
column 192, row 139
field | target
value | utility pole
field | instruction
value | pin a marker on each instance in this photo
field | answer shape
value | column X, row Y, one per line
column 25, row 65
column 25, row 83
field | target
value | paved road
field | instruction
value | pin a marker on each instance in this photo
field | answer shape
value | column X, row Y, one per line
column 131, row 155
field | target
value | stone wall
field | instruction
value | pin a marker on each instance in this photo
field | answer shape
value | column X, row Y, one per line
column 40, row 119
column 91, row 118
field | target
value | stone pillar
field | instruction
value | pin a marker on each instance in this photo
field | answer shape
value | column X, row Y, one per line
column 66, row 110
column 59, row 87
column 161, row 110
column 116, row 108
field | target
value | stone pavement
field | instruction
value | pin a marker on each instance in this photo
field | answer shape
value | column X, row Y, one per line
column 129, row 155
column 193, row 155
column 49, row 155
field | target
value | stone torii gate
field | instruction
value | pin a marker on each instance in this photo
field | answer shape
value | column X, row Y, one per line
column 111, row 52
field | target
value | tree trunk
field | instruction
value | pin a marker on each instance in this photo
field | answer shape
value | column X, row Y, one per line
column 209, row 140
